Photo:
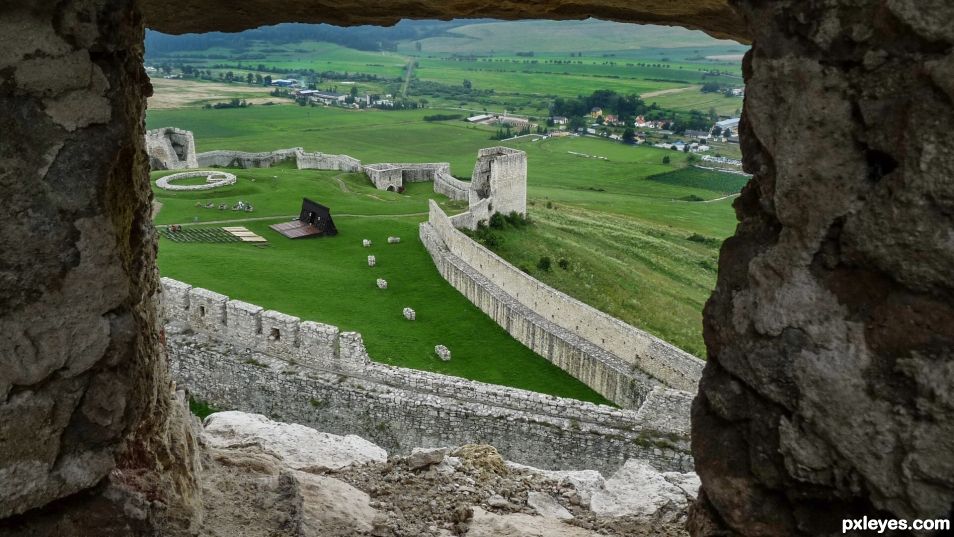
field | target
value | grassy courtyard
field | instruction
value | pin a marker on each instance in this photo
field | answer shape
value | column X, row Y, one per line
column 328, row 279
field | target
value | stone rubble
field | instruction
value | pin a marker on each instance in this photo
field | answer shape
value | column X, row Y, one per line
column 394, row 240
column 409, row 314
column 382, row 283
column 443, row 352
column 465, row 491
column 372, row 261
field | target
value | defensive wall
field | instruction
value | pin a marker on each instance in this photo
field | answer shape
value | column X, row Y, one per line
column 237, row 355
column 392, row 176
column 302, row 159
column 450, row 186
column 619, row 361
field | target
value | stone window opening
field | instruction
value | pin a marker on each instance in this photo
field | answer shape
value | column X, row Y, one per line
column 274, row 335
column 201, row 311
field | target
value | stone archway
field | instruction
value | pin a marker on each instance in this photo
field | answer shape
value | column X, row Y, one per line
column 830, row 332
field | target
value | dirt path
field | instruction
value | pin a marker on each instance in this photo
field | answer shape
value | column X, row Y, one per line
column 156, row 207
column 407, row 77
column 667, row 92
column 341, row 184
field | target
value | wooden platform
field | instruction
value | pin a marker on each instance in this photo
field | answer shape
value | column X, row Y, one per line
column 296, row 229
column 244, row 234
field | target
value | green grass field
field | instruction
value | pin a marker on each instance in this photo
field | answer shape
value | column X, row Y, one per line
column 723, row 183
column 328, row 280
column 649, row 275
column 561, row 36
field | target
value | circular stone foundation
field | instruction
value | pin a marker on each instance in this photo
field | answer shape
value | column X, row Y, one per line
column 212, row 180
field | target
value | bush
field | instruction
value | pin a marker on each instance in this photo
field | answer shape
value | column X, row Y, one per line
column 666, row 159
column 702, row 239
column 544, row 264
column 497, row 221
column 564, row 264
column 517, row 220
column 549, row 205
column 692, row 197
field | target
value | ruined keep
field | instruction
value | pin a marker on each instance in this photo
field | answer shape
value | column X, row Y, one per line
column 829, row 334
column 171, row 149
column 390, row 176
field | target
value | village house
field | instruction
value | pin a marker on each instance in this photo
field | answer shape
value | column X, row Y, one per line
column 559, row 121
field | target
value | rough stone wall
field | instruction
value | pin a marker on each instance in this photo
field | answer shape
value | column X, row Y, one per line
column 827, row 393
column 225, row 352
column 171, row 149
column 90, row 441
column 497, row 287
column 714, row 16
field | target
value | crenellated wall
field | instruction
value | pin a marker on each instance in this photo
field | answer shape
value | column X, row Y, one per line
column 237, row 355
column 619, row 361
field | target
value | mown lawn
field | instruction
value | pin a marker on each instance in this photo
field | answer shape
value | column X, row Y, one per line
column 328, row 279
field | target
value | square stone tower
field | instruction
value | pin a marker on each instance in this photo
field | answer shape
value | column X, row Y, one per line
column 499, row 182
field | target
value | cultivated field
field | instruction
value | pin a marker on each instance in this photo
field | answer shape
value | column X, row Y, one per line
column 173, row 93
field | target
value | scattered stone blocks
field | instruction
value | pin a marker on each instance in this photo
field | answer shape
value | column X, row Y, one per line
column 366, row 243
column 382, row 283
column 443, row 353
column 394, row 240
column 409, row 314
column 372, row 261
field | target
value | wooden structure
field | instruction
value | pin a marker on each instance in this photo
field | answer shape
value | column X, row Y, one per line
column 313, row 221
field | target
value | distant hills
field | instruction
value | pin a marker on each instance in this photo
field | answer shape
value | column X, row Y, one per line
column 462, row 36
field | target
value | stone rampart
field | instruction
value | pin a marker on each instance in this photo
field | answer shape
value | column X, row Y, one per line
column 450, row 186
column 302, row 159
column 244, row 159
column 237, row 355
column 531, row 310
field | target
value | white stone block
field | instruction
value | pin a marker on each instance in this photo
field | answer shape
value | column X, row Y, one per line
column 382, row 283
column 372, row 261
column 409, row 314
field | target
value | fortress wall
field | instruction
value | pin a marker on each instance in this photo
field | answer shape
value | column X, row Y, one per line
column 385, row 174
column 303, row 160
column 327, row 381
column 641, row 351
column 450, row 186
column 324, row 161
column 243, row 159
